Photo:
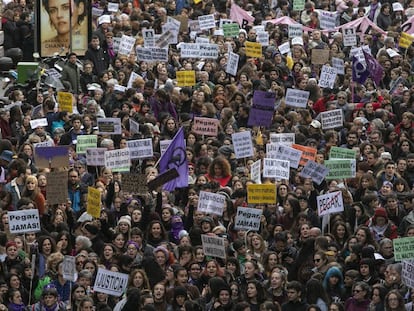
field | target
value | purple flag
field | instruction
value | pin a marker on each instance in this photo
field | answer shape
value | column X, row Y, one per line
column 360, row 72
column 175, row 157
column 374, row 67
column 263, row 106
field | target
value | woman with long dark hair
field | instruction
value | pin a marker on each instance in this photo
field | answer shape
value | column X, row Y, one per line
column 316, row 294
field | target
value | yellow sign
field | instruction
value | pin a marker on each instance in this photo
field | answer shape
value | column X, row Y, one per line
column 261, row 194
column 253, row 49
column 65, row 101
column 185, row 78
column 94, row 202
column 405, row 40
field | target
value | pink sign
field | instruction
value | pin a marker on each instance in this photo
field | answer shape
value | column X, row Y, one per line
column 205, row 126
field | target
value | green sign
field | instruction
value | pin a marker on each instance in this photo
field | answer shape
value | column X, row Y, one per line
column 231, row 30
column 403, row 248
column 298, row 5
column 84, row 142
column 341, row 168
column 341, row 153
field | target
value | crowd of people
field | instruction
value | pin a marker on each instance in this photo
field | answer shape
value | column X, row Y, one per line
column 294, row 262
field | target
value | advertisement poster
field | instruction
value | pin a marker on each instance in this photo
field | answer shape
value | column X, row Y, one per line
column 63, row 27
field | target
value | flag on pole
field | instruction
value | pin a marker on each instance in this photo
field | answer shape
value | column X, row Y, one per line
column 175, row 157
column 374, row 68
column 237, row 14
column 360, row 72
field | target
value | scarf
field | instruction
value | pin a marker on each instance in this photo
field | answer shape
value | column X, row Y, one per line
column 16, row 307
column 52, row 308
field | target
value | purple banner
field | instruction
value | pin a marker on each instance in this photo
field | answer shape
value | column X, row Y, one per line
column 261, row 113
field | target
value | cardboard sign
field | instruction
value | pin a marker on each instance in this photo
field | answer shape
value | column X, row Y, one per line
column 111, row 283
column 231, row 30
column 47, row 143
column 52, row 157
column 298, row 5
column 328, row 77
column 140, row 148
column 84, row 142
column 94, row 202
column 149, row 37
column 247, row 218
column 243, row 145
column 213, row 246
column 273, row 168
column 126, row 45
column 253, row 49
column 297, row 98
column 153, row 54
column 163, row 178
column 330, row 203
column 69, row 268
column 349, row 35
column 34, row 124
column 24, row 221
column 286, row 153
column 341, row 168
column 332, row 119
column 207, row 22
column 109, row 126
column 341, row 153
column 232, row 64
column 261, row 194
column 118, row 158
column 211, row 203
column 320, row 57
column 403, row 248
column 65, row 101
column 57, row 187
column 282, row 138
column 295, row 30
column 308, row 153
column 95, row 156
column 407, row 274
column 263, row 38
column 185, row 78
column 255, row 172
column 339, row 65
column 134, row 183
column 405, row 40
column 327, row 19
column 133, row 126
column 113, row 7
column 284, row 48
column 315, row 171
column 199, row 50
column 205, row 126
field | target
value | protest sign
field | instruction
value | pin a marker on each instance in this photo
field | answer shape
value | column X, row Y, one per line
column 320, row 57
column 341, row 153
column 298, row 5
column 95, row 156
column 113, row 7
column 339, row 65
column 132, row 77
column 308, row 153
column 255, row 172
column 327, row 19
column 140, row 148
column 330, row 203
column 315, row 171
column 243, row 145
column 232, row 64
column 69, row 268
column 253, row 49
column 202, row 40
column 65, row 101
column 52, row 157
column 273, row 168
column 261, row 112
column 205, row 126
column 185, row 78
column 34, row 124
column 94, row 202
column 109, row 126
column 247, row 218
column 332, row 119
column 341, row 168
column 111, row 283
column 126, row 45
column 282, row 138
column 297, row 41
column 403, row 248
column 328, row 77
column 84, row 142
column 349, row 35
column 213, row 246
column 286, row 153
column 152, row 54
column 284, row 48
column 118, row 158
column 295, row 30
column 261, row 194
column 407, row 274
column 47, row 143
column 211, row 203
column 297, row 98
column 263, row 38
column 199, row 50
column 133, row 126
column 231, row 30
column 164, row 145
column 149, row 37
column 207, row 22
column 24, row 221
column 117, row 42
column 165, row 38
column 405, row 40
column 57, row 187
column 134, row 183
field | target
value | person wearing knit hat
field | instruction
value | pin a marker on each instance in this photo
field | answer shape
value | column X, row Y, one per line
column 180, row 296
column 124, row 224
column 207, row 224
column 380, row 226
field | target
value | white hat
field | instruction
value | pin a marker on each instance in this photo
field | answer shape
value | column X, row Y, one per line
column 104, row 19
column 316, row 124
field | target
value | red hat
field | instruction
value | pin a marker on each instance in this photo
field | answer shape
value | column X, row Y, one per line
column 11, row 243
column 381, row 212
